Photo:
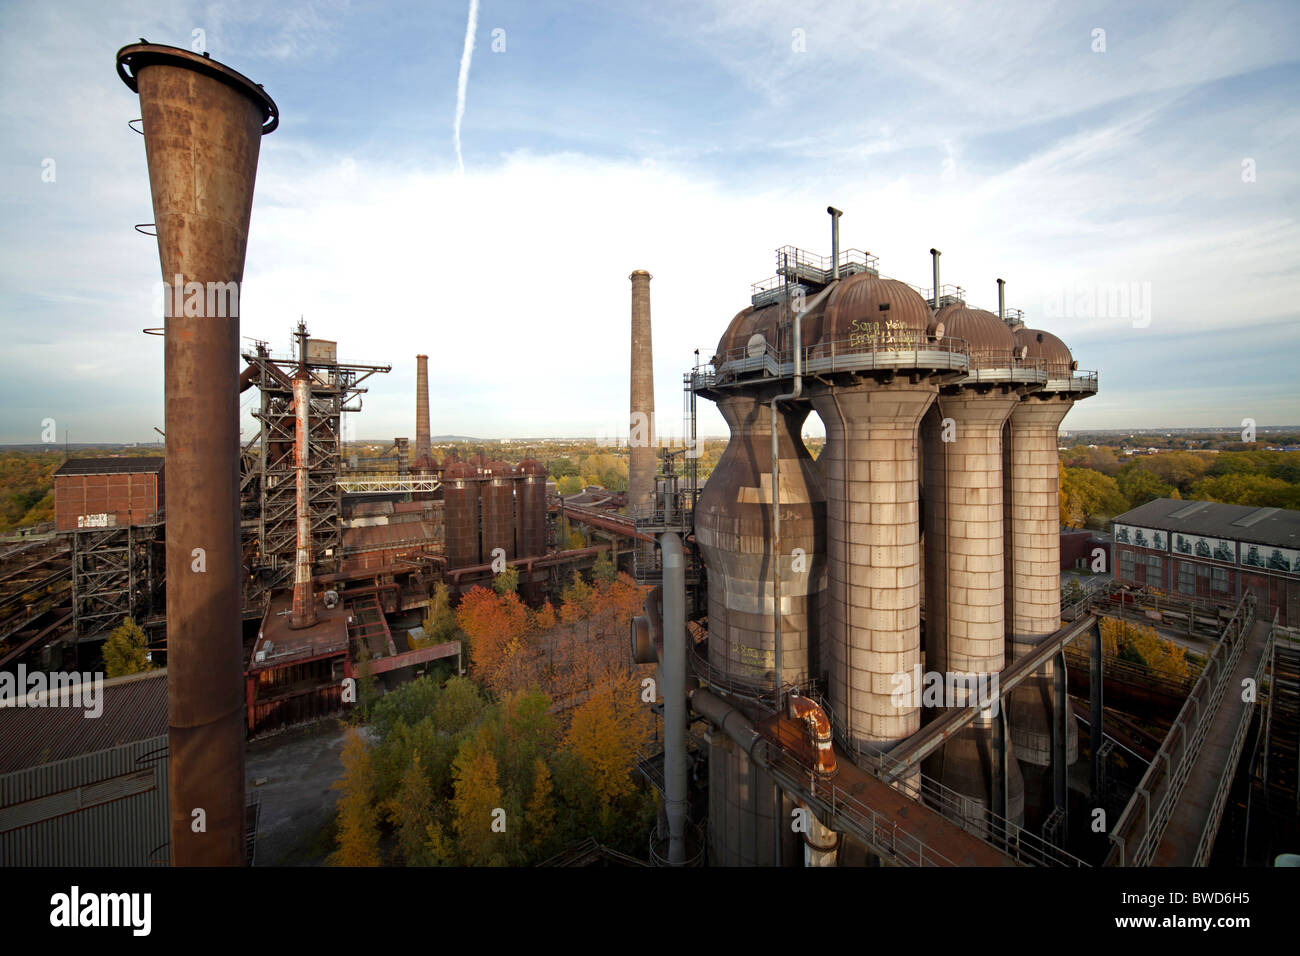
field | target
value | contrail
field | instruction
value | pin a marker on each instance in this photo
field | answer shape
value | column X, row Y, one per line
column 463, row 83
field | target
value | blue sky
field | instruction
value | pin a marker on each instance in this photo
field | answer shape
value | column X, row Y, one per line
column 690, row 139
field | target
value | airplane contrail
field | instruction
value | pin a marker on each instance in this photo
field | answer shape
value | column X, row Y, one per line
column 463, row 83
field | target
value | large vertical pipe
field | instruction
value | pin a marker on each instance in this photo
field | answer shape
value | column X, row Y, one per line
column 641, row 437
column 304, row 601
column 203, row 125
column 934, row 255
column 835, row 240
column 674, row 678
column 1002, row 300
column 423, row 449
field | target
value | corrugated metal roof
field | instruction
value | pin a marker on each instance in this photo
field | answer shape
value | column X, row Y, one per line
column 1277, row 527
column 134, row 708
column 109, row 466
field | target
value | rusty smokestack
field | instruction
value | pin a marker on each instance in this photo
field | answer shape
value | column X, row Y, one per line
column 641, row 433
column 203, row 127
column 423, row 446
column 1002, row 300
column 304, row 599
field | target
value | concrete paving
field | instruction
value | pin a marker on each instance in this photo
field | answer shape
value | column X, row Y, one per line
column 292, row 773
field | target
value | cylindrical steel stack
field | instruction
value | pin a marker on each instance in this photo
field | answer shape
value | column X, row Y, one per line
column 962, row 453
column 497, row 507
column 304, row 601
column 460, row 490
column 203, row 125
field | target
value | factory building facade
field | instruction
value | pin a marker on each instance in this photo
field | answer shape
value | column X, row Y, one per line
column 1213, row 552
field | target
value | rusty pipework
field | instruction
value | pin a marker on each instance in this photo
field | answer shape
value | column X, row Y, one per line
column 304, row 599
column 203, row 126
column 819, row 731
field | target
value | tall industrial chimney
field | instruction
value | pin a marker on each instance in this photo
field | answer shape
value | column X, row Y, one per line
column 304, row 600
column 641, row 434
column 423, row 450
column 203, row 125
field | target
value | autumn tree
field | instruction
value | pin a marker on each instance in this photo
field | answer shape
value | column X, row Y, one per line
column 506, row 581
column 539, row 817
column 491, row 622
column 1143, row 646
column 358, row 837
column 411, row 813
column 439, row 619
column 606, row 731
column 127, row 650
column 604, row 571
column 479, row 839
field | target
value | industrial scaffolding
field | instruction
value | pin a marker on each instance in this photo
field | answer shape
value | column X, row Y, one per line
column 117, row 573
column 269, row 481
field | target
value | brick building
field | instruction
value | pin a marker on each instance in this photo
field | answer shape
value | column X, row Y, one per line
column 1213, row 552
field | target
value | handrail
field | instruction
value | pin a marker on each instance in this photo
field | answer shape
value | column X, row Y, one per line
column 1136, row 837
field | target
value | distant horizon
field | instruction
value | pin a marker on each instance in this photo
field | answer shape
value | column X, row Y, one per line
column 460, row 440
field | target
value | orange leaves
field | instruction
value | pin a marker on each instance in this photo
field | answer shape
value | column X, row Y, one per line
column 493, row 623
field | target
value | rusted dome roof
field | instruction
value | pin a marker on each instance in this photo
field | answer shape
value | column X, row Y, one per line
column 980, row 329
column 745, row 324
column 459, row 470
column 1044, row 345
column 865, row 304
column 531, row 466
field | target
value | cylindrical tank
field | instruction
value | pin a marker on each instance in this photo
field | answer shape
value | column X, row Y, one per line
column 497, row 504
column 961, row 436
column 460, row 491
column 872, row 627
column 733, row 527
column 1033, row 563
column 530, row 508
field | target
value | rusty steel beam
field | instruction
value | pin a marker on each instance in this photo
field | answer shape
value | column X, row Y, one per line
column 203, row 126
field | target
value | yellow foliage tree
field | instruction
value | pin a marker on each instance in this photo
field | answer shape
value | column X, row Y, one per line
column 358, row 833
column 1143, row 645
column 539, row 816
column 477, row 798
column 606, row 731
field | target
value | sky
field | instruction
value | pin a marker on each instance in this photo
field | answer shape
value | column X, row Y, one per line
column 1072, row 149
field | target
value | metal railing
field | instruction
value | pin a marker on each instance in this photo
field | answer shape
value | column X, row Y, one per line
column 1206, row 842
column 1137, row 834
column 973, row 816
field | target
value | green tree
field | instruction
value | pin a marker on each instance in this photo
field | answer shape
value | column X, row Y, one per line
column 1139, row 485
column 411, row 812
column 367, row 685
column 506, row 581
column 439, row 619
column 127, row 650
column 604, row 570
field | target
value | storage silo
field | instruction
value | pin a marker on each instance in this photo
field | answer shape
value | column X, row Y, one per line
column 877, row 368
column 530, row 508
column 497, row 504
column 961, row 438
column 460, row 493
column 1033, row 552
